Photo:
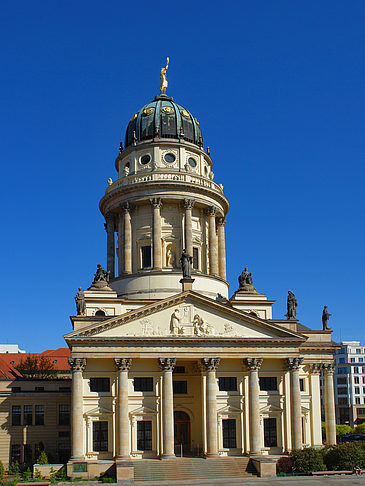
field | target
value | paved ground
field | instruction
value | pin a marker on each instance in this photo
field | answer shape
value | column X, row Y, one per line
column 288, row 481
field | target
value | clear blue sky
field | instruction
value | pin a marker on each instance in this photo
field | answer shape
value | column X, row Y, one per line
column 278, row 88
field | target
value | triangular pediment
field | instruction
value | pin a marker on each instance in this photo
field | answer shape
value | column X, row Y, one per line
column 98, row 411
column 229, row 409
column 186, row 315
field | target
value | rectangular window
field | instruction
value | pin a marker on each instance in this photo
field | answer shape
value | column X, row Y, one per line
column 342, row 401
column 64, row 414
column 229, row 433
column 361, row 360
column 99, row 384
column 357, row 390
column 15, row 453
column 146, row 258
column 301, row 384
column 16, row 415
column 196, row 258
column 28, row 453
column 27, row 415
column 342, row 390
column 352, row 360
column 342, row 380
column 180, row 387
column 356, row 380
column 341, row 360
column 270, row 433
column 358, row 351
column 268, row 383
column 100, row 436
column 361, row 411
column 363, row 370
column 227, row 383
column 357, row 401
column 143, row 384
column 39, row 415
column 64, row 452
column 144, row 435
column 356, row 369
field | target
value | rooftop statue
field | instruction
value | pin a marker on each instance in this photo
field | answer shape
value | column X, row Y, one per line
column 164, row 83
column 245, row 281
column 186, row 262
column 101, row 279
column 325, row 318
column 292, row 305
column 80, row 302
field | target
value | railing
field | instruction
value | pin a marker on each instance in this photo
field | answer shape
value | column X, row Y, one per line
column 165, row 176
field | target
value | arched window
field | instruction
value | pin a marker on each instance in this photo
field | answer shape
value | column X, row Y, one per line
column 100, row 313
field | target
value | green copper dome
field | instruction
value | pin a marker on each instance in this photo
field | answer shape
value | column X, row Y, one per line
column 163, row 118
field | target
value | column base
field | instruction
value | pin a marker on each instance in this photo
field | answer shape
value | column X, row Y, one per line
column 211, row 455
column 167, row 456
column 123, row 459
column 77, row 459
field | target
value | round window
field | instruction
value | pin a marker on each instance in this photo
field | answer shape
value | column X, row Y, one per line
column 192, row 162
column 170, row 158
column 145, row 159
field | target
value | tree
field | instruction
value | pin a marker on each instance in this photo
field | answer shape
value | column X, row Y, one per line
column 343, row 429
column 360, row 429
column 36, row 367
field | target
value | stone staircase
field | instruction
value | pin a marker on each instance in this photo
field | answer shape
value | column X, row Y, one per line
column 192, row 468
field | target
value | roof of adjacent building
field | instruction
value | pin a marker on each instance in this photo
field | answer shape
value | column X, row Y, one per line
column 7, row 371
column 58, row 357
column 163, row 118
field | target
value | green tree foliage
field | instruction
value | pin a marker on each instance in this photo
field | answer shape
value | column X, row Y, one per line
column 343, row 457
column 343, row 429
column 307, row 460
column 36, row 367
column 14, row 468
column 2, row 470
column 360, row 429
column 27, row 475
column 42, row 458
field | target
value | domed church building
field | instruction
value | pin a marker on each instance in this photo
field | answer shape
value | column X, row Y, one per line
column 164, row 363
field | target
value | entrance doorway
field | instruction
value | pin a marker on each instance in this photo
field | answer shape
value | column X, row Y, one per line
column 182, row 432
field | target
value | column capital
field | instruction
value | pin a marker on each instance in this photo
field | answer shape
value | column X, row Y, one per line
column 221, row 221
column 123, row 364
column 210, row 364
column 315, row 368
column 126, row 207
column 109, row 218
column 188, row 203
column 328, row 368
column 293, row 364
column 253, row 364
column 156, row 202
column 167, row 364
column 77, row 364
column 211, row 211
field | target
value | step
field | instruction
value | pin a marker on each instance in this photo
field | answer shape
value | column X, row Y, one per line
column 192, row 468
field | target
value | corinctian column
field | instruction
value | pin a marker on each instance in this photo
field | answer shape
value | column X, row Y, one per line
column 315, row 404
column 188, row 206
column 293, row 364
column 254, row 364
column 127, row 235
column 211, row 365
column 167, row 365
column 156, row 204
column 110, row 245
column 120, row 244
column 213, row 250
column 123, row 365
column 221, row 248
column 329, row 404
column 77, row 366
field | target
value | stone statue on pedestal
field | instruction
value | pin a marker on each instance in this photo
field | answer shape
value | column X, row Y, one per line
column 186, row 263
column 325, row 318
column 80, row 302
column 101, row 279
column 292, row 305
column 245, row 281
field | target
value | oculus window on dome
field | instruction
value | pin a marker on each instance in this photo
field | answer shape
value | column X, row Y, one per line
column 169, row 158
column 192, row 162
column 145, row 159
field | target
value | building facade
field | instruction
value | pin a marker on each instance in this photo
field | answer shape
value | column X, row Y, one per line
column 162, row 359
column 349, row 382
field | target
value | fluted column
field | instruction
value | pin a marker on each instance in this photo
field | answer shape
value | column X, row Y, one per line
column 167, row 365
column 188, row 206
column 213, row 250
column 127, row 238
column 329, row 404
column 110, row 245
column 293, row 364
column 156, row 204
column 221, row 247
column 315, row 404
column 123, row 365
column 77, row 421
column 120, row 244
column 254, row 364
column 211, row 365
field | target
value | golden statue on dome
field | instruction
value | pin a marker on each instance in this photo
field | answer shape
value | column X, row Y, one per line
column 164, row 83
